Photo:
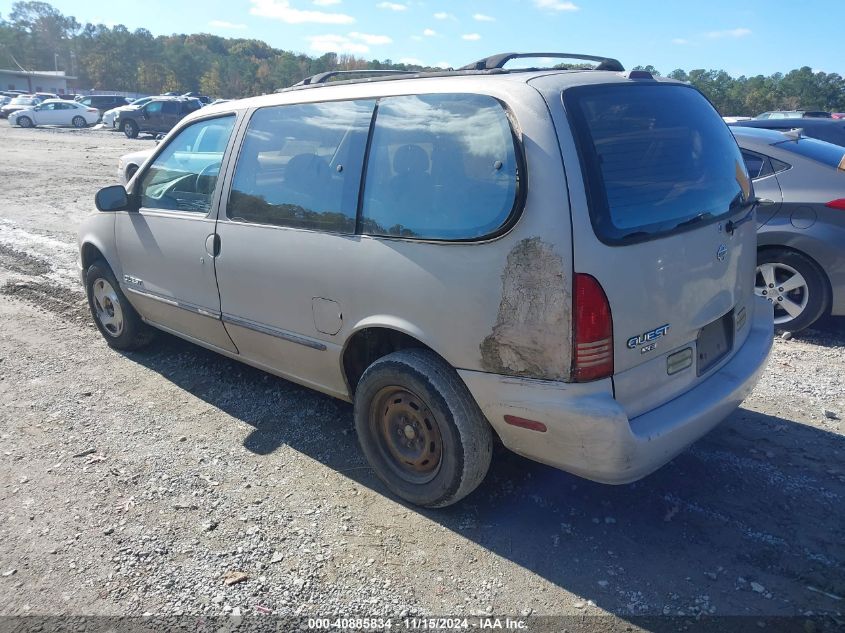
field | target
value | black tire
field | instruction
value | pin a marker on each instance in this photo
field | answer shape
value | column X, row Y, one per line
column 25, row 121
column 443, row 421
column 133, row 332
column 79, row 122
column 130, row 171
column 813, row 296
column 130, row 128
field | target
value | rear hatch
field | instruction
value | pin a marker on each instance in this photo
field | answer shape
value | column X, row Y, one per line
column 665, row 224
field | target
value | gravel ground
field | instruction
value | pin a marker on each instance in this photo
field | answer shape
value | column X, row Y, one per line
column 175, row 481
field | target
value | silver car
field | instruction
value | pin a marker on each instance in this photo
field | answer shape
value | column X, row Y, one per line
column 801, row 231
column 562, row 259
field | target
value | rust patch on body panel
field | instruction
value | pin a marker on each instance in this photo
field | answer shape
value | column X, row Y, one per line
column 531, row 337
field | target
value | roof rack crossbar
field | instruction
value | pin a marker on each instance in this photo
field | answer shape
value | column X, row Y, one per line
column 321, row 78
column 498, row 61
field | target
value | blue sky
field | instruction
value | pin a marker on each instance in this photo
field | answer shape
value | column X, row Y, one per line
column 739, row 36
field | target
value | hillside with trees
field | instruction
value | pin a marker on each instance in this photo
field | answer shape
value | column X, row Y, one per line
column 36, row 36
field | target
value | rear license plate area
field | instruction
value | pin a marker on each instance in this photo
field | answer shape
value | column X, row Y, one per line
column 715, row 341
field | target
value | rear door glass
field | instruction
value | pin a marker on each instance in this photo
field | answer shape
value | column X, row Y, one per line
column 657, row 158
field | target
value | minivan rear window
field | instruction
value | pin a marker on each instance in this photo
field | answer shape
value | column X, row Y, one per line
column 819, row 151
column 657, row 158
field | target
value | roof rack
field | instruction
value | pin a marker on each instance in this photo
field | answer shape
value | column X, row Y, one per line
column 499, row 61
column 321, row 78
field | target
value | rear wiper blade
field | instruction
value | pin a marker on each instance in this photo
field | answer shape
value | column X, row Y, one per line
column 701, row 217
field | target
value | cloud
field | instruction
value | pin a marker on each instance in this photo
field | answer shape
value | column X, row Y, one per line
column 222, row 24
column 336, row 44
column 679, row 41
column 471, row 37
column 429, row 32
column 716, row 35
column 442, row 15
column 556, row 5
column 281, row 10
column 373, row 40
column 411, row 61
column 325, row 3
column 392, row 6
column 480, row 17
column 353, row 42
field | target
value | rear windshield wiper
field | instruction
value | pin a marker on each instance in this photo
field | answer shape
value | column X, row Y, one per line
column 754, row 202
column 701, row 217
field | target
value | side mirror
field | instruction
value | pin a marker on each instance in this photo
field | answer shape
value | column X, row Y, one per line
column 37, row 108
column 112, row 198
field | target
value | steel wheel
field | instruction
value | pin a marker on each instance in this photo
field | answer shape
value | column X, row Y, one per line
column 107, row 307
column 407, row 433
column 785, row 288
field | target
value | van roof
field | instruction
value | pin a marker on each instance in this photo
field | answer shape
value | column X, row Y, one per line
column 489, row 69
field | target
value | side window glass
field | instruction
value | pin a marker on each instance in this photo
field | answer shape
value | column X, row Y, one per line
column 170, row 107
column 300, row 166
column 183, row 177
column 754, row 163
column 440, row 167
column 154, row 107
column 779, row 165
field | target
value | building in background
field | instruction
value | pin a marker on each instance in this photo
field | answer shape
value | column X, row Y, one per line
column 35, row 80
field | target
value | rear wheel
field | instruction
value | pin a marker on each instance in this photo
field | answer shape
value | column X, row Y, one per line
column 24, row 121
column 114, row 316
column 79, row 121
column 130, row 128
column 420, row 428
column 794, row 285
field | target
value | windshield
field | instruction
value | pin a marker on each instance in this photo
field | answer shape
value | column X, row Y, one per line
column 656, row 158
column 22, row 101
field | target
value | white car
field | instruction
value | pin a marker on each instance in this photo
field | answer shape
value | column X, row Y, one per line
column 109, row 116
column 55, row 112
column 128, row 164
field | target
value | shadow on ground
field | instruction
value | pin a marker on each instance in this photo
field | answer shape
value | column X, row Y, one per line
column 759, row 500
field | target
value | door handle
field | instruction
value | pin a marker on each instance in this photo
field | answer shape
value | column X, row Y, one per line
column 212, row 245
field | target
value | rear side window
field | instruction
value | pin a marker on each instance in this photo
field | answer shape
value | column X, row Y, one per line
column 819, row 151
column 300, row 166
column 656, row 159
column 440, row 166
column 170, row 107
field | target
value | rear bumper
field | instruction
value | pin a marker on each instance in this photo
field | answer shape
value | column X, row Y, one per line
column 588, row 432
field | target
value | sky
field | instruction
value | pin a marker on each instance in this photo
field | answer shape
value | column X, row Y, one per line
column 743, row 37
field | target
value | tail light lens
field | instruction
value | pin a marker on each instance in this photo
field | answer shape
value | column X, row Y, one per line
column 837, row 204
column 593, row 325
column 92, row 110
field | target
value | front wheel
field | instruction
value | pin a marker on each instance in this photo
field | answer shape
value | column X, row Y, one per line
column 79, row 122
column 114, row 316
column 24, row 121
column 794, row 285
column 130, row 128
column 420, row 428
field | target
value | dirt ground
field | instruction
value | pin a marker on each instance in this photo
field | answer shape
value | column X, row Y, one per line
column 133, row 483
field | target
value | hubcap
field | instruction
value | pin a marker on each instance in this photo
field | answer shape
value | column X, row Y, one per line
column 107, row 307
column 785, row 288
column 407, row 434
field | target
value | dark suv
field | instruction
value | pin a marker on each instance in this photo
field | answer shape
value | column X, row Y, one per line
column 103, row 102
column 156, row 117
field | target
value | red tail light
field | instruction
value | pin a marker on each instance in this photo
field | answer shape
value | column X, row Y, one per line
column 593, row 324
column 91, row 110
column 837, row 204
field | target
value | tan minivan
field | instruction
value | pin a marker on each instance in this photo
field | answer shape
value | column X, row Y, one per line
column 563, row 259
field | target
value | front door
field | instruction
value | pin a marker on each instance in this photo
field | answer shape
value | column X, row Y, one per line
column 167, row 248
